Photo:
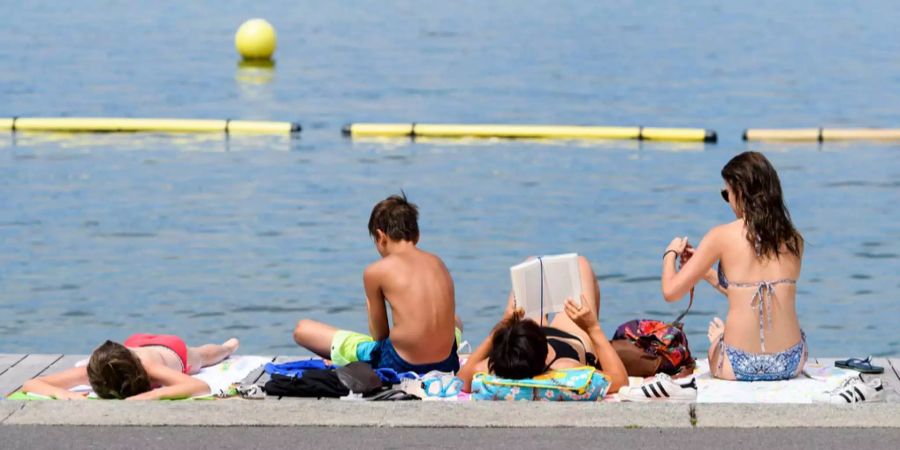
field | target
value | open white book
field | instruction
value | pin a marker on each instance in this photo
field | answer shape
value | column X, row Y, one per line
column 542, row 285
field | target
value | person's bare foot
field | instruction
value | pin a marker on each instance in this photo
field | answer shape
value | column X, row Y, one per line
column 232, row 345
column 716, row 328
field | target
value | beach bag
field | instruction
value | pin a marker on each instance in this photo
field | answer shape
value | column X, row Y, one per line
column 359, row 378
column 573, row 384
column 647, row 347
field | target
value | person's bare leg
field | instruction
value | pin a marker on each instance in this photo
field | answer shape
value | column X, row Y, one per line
column 717, row 329
column 590, row 287
column 210, row 354
column 803, row 360
column 315, row 336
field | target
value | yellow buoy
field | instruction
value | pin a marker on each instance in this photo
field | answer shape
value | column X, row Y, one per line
column 255, row 39
column 136, row 125
column 527, row 131
column 821, row 134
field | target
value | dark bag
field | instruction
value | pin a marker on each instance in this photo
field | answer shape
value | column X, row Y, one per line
column 359, row 378
column 326, row 383
column 647, row 347
column 316, row 383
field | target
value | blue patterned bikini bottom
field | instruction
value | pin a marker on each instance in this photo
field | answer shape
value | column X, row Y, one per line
column 749, row 366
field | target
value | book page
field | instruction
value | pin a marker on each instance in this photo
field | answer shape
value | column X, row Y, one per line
column 542, row 285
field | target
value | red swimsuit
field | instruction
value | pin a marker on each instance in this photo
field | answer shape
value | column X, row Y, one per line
column 172, row 342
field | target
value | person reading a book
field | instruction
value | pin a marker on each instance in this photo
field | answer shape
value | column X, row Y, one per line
column 761, row 251
column 420, row 292
column 519, row 347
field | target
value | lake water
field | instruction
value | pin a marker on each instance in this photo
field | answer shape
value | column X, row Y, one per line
column 104, row 235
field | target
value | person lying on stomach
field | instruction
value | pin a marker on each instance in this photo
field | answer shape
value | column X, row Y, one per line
column 144, row 367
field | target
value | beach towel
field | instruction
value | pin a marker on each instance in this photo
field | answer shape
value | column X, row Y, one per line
column 219, row 377
column 816, row 378
column 575, row 384
column 802, row 389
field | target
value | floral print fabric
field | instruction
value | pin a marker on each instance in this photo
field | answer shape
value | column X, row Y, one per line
column 575, row 384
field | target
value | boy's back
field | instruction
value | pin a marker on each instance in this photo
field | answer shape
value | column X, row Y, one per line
column 420, row 290
column 416, row 285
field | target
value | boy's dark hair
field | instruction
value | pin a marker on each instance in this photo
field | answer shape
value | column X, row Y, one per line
column 396, row 217
column 116, row 372
column 518, row 349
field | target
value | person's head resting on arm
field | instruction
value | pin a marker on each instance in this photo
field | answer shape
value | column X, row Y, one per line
column 114, row 371
column 518, row 349
column 393, row 222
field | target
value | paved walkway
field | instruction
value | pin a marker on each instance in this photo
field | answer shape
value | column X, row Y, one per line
column 15, row 369
column 171, row 438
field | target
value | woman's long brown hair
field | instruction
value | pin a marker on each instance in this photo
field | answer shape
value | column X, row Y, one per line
column 755, row 183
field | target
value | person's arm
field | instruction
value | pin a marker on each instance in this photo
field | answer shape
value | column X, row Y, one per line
column 675, row 284
column 711, row 276
column 175, row 385
column 609, row 360
column 375, row 304
column 58, row 384
column 478, row 360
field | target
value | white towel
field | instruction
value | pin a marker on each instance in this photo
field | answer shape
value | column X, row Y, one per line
column 815, row 379
column 219, row 377
column 234, row 369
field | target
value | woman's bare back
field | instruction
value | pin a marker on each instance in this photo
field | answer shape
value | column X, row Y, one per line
column 758, row 286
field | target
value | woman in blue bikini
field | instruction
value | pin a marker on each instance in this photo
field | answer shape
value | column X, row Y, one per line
column 761, row 251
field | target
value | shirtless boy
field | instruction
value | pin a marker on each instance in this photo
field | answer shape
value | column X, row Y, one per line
column 419, row 290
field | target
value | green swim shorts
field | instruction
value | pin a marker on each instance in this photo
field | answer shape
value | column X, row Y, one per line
column 349, row 346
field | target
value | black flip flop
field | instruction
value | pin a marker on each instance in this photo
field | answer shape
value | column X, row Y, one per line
column 859, row 365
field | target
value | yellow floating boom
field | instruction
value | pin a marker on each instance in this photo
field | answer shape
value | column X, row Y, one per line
column 527, row 132
column 116, row 124
column 821, row 134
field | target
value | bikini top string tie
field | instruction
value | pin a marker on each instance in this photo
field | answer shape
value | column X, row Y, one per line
column 762, row 300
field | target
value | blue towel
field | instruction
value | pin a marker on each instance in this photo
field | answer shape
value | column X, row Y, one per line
column 296, row 368
column 391, row 376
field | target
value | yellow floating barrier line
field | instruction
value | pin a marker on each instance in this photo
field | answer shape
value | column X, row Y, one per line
column 526, row 131
column 132, row 125
column 821, row 134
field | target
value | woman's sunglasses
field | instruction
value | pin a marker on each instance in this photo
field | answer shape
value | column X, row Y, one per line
column 725, row 195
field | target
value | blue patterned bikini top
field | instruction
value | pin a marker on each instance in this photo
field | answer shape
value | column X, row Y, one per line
column 761, row 300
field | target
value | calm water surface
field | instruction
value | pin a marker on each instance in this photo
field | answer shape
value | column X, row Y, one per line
column 103, row 235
